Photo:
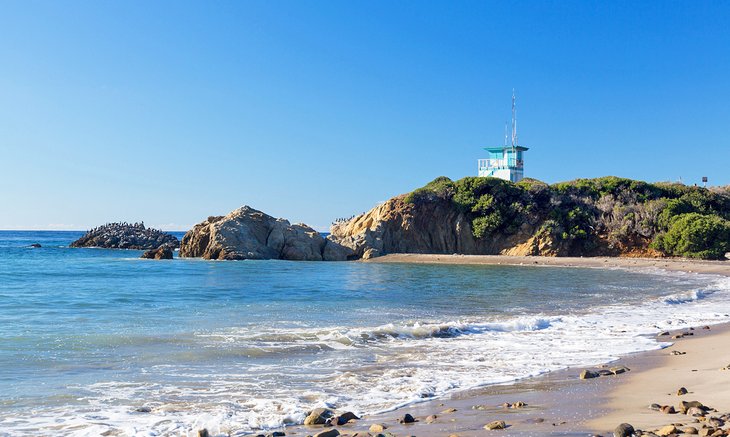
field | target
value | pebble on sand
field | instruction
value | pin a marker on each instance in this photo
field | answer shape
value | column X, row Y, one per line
column 497, row 424
column 377, row 427
column 624, row 430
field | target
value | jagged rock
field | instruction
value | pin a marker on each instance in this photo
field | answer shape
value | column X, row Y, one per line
column 588, row 374
column 624, row 430
column 159, row 253
column 617, row 370
column 246, row 233
column 126, row 236
column 342, row 418
column 681, row 391
column 318, row 416
column 36, row 246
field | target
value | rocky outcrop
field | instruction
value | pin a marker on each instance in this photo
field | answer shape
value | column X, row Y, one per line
column 126, row 236
column 607, row 216
column 397, row 226
column 246, row 233
column 163, row 252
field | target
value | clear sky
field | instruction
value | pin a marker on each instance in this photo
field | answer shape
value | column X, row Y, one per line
column 169, row 112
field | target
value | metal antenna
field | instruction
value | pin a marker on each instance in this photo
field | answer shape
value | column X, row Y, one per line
column 514, row 120
column 505, row 134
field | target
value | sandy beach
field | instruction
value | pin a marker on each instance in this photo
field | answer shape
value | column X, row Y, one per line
column 561, row 403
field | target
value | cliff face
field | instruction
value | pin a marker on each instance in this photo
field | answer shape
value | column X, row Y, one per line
column 589, row 217
column 398, row 226
column 246, row 233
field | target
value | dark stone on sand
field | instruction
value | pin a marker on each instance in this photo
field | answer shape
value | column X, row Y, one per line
column 655, row 407
column 276, row 434
column 329, row 433
column 342, row 419
column 624, row 430
column 705, row 327
column 407, row 418
column 159, row 253
column 203, row 432
column 588, row 374
column 663, row 333
column 36, row 246
column 143, row 410
column 681, row 391
column 617, row 370
column 668, row 409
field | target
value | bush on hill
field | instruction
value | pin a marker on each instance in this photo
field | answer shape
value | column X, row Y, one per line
column 608, row 215
column 695, row 235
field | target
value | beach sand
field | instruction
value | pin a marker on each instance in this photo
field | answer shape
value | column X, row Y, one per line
column 562, row 404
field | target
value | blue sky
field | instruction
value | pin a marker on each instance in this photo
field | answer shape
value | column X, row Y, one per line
column 169, row 112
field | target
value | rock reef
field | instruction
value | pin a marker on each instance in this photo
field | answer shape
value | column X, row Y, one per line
column 247, row 233
column 126, row 236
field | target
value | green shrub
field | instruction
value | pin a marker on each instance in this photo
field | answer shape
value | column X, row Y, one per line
column 695, row 235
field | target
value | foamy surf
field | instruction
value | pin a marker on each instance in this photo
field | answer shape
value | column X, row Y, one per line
column 265, row 369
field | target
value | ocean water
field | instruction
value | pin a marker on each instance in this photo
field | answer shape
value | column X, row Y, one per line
column 95, row 340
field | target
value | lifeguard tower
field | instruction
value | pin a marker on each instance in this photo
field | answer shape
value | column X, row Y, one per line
column 506, row 162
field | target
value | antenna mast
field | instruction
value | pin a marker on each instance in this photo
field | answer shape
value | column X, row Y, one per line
column 514, row 120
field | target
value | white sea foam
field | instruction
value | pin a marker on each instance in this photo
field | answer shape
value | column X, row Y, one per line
column 374, row 369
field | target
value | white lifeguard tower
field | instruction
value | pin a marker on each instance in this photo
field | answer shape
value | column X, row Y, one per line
column 506, row 162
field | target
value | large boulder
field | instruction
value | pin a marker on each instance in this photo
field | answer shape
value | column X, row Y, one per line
column 246, row 233
column 126, row 236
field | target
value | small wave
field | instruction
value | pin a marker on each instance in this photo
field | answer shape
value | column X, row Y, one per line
column 691, row 296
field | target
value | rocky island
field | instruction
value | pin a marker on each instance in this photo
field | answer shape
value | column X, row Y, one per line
column 607, row 216
column 246, row 233
column 126, row 236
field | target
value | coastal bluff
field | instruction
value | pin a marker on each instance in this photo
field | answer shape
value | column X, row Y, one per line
column 247, row 233
column 126, row 236
column 606, row 216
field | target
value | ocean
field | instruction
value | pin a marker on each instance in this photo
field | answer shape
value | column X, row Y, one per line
column 96, row 340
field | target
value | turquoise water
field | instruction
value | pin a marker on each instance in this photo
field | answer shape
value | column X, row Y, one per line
column 89, row 336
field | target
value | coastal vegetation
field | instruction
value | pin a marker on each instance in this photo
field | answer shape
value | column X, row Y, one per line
column 602, row 216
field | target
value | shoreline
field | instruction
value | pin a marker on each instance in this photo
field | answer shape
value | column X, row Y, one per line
column 560, row 403
column 672, row 264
